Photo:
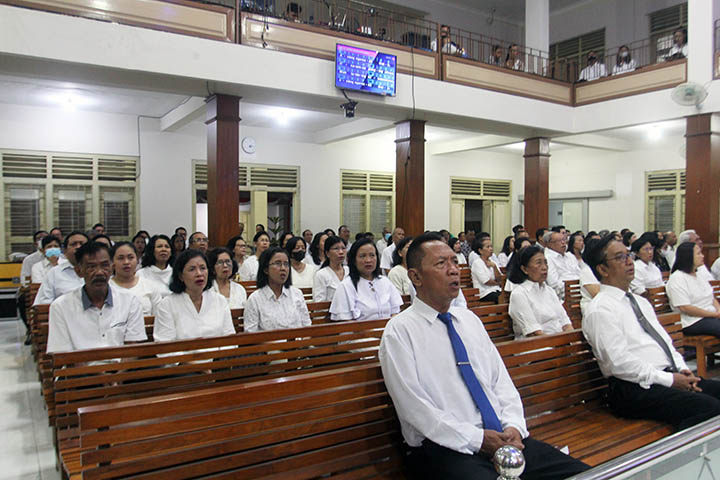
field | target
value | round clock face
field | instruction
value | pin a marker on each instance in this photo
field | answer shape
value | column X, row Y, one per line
column 248, row 145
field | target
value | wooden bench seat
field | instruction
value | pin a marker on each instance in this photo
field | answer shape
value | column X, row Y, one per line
column 497, row 322
column 94, row 377
column 572, row 302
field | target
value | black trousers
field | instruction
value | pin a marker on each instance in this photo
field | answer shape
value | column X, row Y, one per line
column 491, row 297
column 680, row 408
column 542, row 461
column 704, row 326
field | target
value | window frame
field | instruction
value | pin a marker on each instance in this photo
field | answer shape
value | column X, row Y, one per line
column 368, row 193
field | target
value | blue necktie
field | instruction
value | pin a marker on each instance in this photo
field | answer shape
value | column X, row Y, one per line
column 490, row 418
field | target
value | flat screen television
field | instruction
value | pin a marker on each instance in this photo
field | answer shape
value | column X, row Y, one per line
column 365, row 70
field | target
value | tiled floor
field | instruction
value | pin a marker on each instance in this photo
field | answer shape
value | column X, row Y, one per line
column 26, row 450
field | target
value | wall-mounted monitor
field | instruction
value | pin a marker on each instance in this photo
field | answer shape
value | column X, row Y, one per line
column 365, row 70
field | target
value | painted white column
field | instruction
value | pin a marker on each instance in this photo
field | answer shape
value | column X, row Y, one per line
column 700, row 41
column 537, row 24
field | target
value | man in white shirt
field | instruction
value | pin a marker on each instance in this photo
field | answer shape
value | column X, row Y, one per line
column 94, row 315
column 692, row 236
column 33, row 258
column 386, row 262
column 62, row 278
column 679, row 49
column 647, row 377
column 199, row 241
column 382, row 243
column 668, row 250
column 594, row 69
column 562, row 265
column 456, row 402
column 448, row 46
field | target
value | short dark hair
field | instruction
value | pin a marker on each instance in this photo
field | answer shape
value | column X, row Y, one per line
column 56, row 228
column 264, row 264
column 176, row 283
column 639, row 243
column 35, row 235
column 329, row 243
column 98, row 225
column 558, row 228
column 343, row 226
column 396, row 258
column 416, row 253
column 595, row 252
column 90, row 248
column 115, row 248
column 626, row 237
column 230, row 245
column 685, row 258
column 66, row 241
column 539, row 233
column 290, row 245
column 522, row 258
column 190, row 238
column 329, row 231
column 352, row 255
column 180, row 228
column 102, row 235
column 149, row 259
column 453, row 241
column 260, row 234
column 212, row 259
column 46, row 240
column 261, row 226
column 478, row 243
column 517, row 227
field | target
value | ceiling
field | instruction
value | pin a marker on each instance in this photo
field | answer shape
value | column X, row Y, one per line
column 511, row 10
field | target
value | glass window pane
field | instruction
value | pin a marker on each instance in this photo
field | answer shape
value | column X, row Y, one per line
column 380, row 214
column 354, row 212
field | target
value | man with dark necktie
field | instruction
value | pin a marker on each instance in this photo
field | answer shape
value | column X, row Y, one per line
column 456, row 402
column 647, row 377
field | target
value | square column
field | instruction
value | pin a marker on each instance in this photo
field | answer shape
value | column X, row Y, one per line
column 537, row 160
column 410, row 176
column 537, row 24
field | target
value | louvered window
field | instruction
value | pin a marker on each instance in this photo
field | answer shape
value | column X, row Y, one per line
column 367, row 200
column 22, row 216
column 68, row 168
column 117, row 170
column 72, row 207
column 665, row 200
column 24, row 166
column 117, row 205
column 662, row 24
column 480, row 189
column 277, row 178
column 577, row 48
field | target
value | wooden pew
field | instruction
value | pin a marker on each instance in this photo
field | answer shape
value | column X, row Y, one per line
column 249, row 286
column 465, row 277
column 563, row 393
column 572, row 302
column 338, row 424
column 99, row 376
column 497, row 322
column 472, row 298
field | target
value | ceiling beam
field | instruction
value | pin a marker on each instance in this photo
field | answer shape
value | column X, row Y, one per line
column 356, row 128
column 474, row 143
column 593, row 140
column 192, row 109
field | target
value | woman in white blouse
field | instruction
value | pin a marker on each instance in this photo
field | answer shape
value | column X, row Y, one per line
column 507, row 250
column 364, row 294
column 124, row 262
column 534, row 307
column 238, row 247
column 276, row 304
column 332, row 272
column 193, row 310
column 302, row 273
column 317, row 249
column 486, row 276
column 454, row 243
column 249, row 270
column 520, row 243
column 624, row 63
column 222, row 269
column 647, row 274
column 691, row 295
column 50, row 248
column 398, row 275
column 157, row 264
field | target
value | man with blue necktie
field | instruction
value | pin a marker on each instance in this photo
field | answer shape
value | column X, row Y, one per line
column 456, row 402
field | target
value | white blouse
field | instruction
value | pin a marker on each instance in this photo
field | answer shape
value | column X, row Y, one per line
column 238, row 295
column 326, row 282
column 264, row 311
column 149, row 298
column 535, row 307
column 398, row 275
column 461, row 259
column 503, row 259
column 304, row 279
column 159, row 280
column 685, row 289
column 472, row 257
column 369, row 301
column 587, row 277
column 481, row 274
column 647, row 275
column 40, row 270
column 248, row 270
column 177, row 318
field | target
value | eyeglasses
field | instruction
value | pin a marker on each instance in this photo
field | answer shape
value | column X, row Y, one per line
column 280, row 264
column 199, row 240
column 621, row 257
column 224, row 262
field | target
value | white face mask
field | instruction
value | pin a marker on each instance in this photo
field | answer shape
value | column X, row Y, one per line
column 624, row 54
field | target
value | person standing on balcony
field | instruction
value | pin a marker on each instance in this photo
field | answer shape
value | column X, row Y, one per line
column 513, row 59
column 497, row 56
column 624, row 63
column 447, row 45
column 679, row 49
column 594, row 69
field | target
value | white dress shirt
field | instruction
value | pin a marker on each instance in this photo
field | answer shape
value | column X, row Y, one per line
column 461, row 259
column 503, row 259
column 238, row 295
column 76, row 324
column 304, row 279
column 715, row 269
column 178, row 319
column 458, row 301
column 60, row 280
column 561, row 267
column 40, row 271
column 381, row 245
column 622, row 348
column 248, row 270
column 398, row 275
column 472, row 257
column 264, row 311
column 430, row 396
column 534, row 307
column 158, row 280
column 386, row 261
column 593, row 72
column 27, row 265
column 669, row 254
column 704, row 274
column 143, row 291
column 587, row 277
column 684, row 289
column 326, row 282
column 675, row 50
column 369, row 301
column 481, row 274
column 647, row 275
column 624, row 67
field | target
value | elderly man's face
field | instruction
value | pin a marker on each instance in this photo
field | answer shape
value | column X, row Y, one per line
column 438, row 278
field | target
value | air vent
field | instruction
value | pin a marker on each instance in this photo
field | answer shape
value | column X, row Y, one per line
column 24, row 166
column 69, row 168
column 662, row 182
column 668, row 18
column 496, row 188
column 465, row 186
column 242, row 176
column 120, row 170
column 381, row 182
column 682, row 180
column 273, row 177
column 201, row 173
column 354, row 180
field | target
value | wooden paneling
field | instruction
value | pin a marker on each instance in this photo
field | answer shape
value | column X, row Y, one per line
column 537, row 159
column 177, row 16
column 410, row 176
column 223, row 134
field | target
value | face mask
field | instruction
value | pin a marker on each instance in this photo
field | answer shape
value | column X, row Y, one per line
column 52, row 252
column 387, row 237
column 624, row 54
column 298, row 256
column 592, row 59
